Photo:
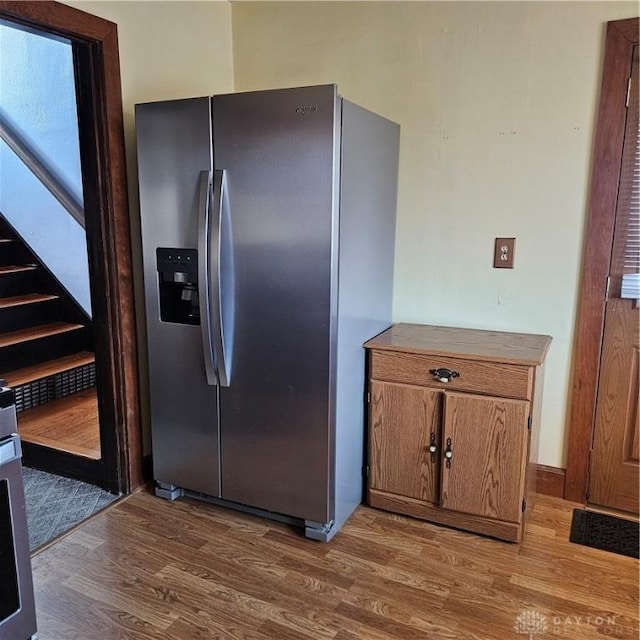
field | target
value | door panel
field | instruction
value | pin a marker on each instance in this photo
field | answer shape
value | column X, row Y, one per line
column 173, row 148
column 614, row 472
column 402, row 421
column 614, row 462
column 277, row 149
column 489, row 455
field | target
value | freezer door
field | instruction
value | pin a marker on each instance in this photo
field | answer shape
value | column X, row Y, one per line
column 174, row 167
column 278, row 150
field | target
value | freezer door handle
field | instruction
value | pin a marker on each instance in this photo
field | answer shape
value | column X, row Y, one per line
column 204, row 259
column 216, row 275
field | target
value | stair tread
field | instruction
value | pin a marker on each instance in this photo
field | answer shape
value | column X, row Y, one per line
column 49, row 368
column 16, row 268
column 35, row 333
column 29, row 298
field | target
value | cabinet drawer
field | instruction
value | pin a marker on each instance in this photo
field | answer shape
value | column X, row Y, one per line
column 493, row 378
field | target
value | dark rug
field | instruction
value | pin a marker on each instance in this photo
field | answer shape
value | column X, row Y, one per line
column 55, row 504
column 605, row 532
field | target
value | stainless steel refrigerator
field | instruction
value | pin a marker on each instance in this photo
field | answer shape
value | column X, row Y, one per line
column 268, row 229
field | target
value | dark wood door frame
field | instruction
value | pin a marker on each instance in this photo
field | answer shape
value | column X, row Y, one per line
column 622, row 36
column 95, row 45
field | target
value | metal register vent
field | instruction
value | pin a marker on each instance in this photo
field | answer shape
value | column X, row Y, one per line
column 54, row 387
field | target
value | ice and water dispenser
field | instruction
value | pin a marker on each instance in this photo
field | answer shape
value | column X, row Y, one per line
column 178, row 285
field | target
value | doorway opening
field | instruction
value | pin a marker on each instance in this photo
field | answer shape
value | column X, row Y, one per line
column 47, row 353
column 106, row 331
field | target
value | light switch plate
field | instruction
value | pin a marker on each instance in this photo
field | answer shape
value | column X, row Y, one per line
column 504, row 253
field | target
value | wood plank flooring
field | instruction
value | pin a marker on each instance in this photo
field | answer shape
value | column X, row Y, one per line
column 150, row 569
column 70, row 424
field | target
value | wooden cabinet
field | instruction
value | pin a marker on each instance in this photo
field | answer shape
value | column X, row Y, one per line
column 453, row 425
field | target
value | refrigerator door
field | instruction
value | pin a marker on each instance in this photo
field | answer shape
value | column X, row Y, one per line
column 279, row 152
column 175, row 176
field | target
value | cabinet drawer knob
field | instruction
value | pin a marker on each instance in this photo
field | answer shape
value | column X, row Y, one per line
column 448, row 453
column 444, row 375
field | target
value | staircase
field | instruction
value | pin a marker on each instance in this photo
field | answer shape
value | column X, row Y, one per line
column 46, row 341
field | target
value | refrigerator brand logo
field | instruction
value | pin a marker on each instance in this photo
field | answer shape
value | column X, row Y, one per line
column 310, row 108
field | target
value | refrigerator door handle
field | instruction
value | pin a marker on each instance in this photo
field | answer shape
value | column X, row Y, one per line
column 219, row 196
column 204, row 289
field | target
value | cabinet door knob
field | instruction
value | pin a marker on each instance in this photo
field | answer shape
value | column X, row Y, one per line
column 444, row 375
column 433, row 447
column 448, row 453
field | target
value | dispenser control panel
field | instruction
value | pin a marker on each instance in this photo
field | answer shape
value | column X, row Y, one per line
column 178, row 285
column 173, row 261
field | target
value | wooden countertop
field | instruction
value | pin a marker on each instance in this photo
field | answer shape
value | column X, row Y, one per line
column 472, row 344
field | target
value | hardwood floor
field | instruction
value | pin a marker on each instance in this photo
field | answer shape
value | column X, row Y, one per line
column 147, row 569
column 69, row 424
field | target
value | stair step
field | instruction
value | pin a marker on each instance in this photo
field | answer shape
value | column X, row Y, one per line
column 13, row 268
column 50, row 368
column 6, row 240
column 35, row 333
column 30, row 298
column 22, row 309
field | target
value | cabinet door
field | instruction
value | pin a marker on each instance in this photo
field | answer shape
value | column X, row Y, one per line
column 488, row 442
column 403, row 419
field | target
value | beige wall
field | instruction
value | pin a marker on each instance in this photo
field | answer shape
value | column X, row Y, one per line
column 167, row 50
column 497, row 106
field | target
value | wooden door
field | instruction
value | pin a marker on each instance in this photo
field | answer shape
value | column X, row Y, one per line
column 487, row 438
column 404, row 419
column 614, row 476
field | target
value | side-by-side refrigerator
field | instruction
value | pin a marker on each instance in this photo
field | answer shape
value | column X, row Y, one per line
column 268, row 229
